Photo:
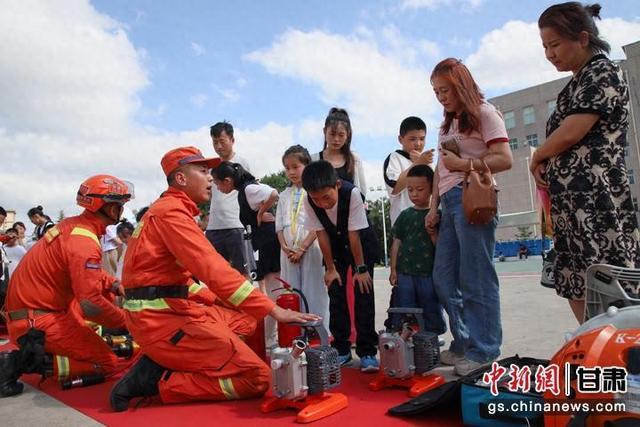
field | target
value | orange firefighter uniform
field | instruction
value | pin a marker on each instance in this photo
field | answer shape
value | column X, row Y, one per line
column 60, row 271
column 194, row 339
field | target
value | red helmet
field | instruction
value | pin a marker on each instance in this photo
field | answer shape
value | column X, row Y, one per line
column 99, row 190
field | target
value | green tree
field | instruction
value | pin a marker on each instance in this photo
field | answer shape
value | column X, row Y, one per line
column 277, row 180
column 524, row 233
column 375, row 214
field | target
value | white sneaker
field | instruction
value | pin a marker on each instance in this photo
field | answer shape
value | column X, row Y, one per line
column 448, row 357
column 466, row 366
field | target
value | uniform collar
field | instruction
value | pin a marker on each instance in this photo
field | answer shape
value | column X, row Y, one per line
column 182, row 196
column 94, row 222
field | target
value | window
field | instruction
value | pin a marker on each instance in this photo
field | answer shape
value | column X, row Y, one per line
column 532, row 140
column 513, row 143
column 510, row 119
column 631, row 176
column 528, row 115
column 551, row 106
column 635, row 203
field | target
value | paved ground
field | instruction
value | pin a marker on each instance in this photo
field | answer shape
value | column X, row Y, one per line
column 534, row 323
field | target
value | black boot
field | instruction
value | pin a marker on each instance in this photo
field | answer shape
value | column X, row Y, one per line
column 9, row 374
column 140, row 381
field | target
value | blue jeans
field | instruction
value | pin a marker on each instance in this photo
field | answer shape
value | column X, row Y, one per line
column 466, row 281
column 418, row 292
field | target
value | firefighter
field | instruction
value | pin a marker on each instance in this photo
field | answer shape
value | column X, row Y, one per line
column 58, row 282
column 191, row 342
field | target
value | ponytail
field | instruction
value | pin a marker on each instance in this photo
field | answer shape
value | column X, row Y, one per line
column 235, row 172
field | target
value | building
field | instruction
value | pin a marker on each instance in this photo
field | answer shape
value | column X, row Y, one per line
column 525, row 114
column 9, row 220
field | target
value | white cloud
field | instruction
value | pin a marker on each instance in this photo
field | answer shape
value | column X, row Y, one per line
column 228, row 95
column 197, row 49
column 62, row 69
column 198, row 100
column 263, row 147
column 434, row 4
column 377, row 88
column 512, row 57
column 309, row 134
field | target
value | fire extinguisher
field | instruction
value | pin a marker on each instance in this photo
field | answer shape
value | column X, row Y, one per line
column 289, row 299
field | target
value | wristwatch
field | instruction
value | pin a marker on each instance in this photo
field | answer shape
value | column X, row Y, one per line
column 361, row 269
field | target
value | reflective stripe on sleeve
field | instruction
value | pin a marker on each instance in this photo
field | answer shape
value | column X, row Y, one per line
column 138, row 229
column 145, row 304
column 79, row 231
column 52, row 233
column 195, row 287
column 63, row 366
column 241, row 293
column 226, row 385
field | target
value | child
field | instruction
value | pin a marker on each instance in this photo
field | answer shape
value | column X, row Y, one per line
column 300, row 258
column 42, row 222
column 337, row 149
column 412, row 253
column 123, row 231
column 335, row 210
column 254, row 200
column 413, row 132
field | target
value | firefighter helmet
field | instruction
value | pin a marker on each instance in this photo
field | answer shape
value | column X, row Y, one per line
column 99, row 190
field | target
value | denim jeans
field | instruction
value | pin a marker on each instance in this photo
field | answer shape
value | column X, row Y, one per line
column 466, row 281
column 417, row 292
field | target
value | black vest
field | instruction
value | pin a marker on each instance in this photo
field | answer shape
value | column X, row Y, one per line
column 339, row 233
column 391, row 182
column 262, row 235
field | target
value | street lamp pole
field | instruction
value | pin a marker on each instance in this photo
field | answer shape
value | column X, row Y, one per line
column 384, row 225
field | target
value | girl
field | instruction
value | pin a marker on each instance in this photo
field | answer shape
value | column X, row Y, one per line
column 255, row 200
column 22, row 229
column 40, row 220
column 300, row 258
column 464, row 276
column 337, row 149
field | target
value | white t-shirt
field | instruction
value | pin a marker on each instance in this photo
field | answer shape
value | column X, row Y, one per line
column 256, row 194
column 357, row 214
column 399, row 201
column 474, row 145
column 225, row 212
column 109, row 240
column 14, row 255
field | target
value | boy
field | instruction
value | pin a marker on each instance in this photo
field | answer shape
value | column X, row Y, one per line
column 412, row 253
column 412, row 136
column 224, row 230
column 335, row 211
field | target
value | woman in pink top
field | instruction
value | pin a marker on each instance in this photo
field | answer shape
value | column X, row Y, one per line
column 464, row 276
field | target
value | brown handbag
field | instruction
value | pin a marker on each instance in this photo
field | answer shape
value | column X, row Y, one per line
column 479, row 196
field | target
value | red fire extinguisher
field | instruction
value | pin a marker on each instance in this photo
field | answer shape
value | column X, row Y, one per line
column 290, row 299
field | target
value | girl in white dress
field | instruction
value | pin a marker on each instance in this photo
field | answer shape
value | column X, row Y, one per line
column 300, row 256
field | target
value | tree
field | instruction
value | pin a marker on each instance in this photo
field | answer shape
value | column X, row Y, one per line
column 61, row 215
column 524, row 233
column 277, row 180
column 375, row 215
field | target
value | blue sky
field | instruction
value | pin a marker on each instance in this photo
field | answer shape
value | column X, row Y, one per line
column 108, row 86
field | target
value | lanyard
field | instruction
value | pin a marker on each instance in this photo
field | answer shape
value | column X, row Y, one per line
column 295, row 213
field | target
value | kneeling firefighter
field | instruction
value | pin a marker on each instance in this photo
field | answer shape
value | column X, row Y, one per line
column 189, row 332
column 62, row 272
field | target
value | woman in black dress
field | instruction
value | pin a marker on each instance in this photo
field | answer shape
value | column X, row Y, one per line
column 581, row 163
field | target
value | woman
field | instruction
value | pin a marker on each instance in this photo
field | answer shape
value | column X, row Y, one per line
column 40, row 220
column 337, row 149
column 22, row 230
column 464, row 275
column 581, row 163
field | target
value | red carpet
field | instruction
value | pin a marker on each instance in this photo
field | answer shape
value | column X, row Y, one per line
column 366, row 408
